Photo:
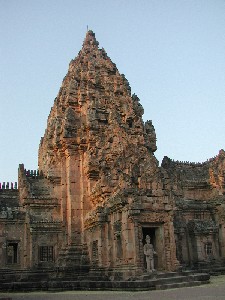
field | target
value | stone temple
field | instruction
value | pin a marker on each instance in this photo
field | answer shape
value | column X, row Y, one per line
column 99, row 190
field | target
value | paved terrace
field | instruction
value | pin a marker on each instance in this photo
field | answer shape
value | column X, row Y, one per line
column 213, row 291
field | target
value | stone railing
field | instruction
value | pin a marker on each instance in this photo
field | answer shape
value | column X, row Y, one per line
column 32, row 173
column 8, row 186
column 196, row 164
column 187, row 163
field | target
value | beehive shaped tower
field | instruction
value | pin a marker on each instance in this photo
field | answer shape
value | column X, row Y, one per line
column 99, row 196
column 97, row 163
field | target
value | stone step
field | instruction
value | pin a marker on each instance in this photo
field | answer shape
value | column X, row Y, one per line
column 175, row 279
column 36, row 280
column 24, row 286
column 160, row 275
column 213, row 271
column 182, row 279
column 63, row 285
column 178, row 285
column 23, row 275
column 168, row 274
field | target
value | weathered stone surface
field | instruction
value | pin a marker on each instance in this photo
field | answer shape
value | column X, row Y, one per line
column 99, row 190
column 199, row 191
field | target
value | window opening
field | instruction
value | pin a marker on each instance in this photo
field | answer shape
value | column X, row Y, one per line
column 46, row 253
column 95, row 250
column 208, row 249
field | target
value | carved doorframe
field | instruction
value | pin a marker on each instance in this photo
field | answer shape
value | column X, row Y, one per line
column 156, row 232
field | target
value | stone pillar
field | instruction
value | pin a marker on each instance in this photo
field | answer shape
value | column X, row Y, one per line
column 74, row 213
column 160, row 248
column 64, row 198
column 128, row 239
column 84, row 191
column 222, row 240
column 73, row 256
column 25, row 248
column 136, row 241
column 110, row 244
column 174, row 263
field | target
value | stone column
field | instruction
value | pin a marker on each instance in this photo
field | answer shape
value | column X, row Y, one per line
column 174, row 263
column 64, row 198
column 110, row 243
column 137, row 240
column 222, row 240
column 74, row 212
column 128, row 239
column 84, row 192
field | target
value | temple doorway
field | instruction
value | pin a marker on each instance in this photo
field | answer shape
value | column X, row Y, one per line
column 156, row 235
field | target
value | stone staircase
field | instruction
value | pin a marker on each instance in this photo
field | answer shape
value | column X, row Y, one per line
column 213, row 268
column 73, row 262
column 180, row 279
column 23, row 280
column 157, row 281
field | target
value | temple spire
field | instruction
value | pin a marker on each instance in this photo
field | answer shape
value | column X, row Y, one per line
column 90, row 40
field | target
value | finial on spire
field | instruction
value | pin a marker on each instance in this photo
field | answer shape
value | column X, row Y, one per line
column 87, row 27
column 90, row 39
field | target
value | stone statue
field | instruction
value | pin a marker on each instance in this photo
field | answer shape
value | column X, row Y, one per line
column 3, row 213
column 149, row 254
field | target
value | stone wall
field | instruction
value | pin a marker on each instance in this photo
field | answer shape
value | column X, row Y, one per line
column 99, row 190
column 12, row 229
column 199, row 200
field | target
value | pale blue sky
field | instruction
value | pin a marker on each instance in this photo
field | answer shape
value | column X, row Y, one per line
column 171, row 51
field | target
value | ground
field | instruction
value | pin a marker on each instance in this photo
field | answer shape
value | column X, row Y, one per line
column 213, row 291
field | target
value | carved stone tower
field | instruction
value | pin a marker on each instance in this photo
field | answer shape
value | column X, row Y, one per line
column 99, row 190
column 97, row 153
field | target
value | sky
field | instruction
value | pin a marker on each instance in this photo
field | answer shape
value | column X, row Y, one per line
column 171, row 52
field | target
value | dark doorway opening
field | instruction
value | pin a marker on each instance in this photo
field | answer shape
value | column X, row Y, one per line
column 151, row 231
column 148, row 231
column 12, row 253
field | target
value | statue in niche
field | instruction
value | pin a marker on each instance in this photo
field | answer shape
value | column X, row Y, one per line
column 149, row 254
column 3, row 213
